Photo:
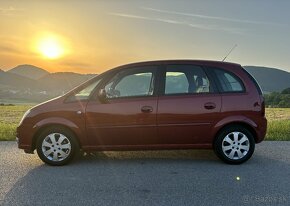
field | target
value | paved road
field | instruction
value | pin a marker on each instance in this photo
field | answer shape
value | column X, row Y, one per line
column 147, row 178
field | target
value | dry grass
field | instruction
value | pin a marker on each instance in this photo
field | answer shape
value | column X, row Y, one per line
column 274, row 114
column 278, row 124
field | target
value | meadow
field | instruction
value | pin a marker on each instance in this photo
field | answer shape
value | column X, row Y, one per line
column 278, row 122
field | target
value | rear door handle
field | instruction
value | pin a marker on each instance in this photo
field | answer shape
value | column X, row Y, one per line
column 147, row 109
column 209, row 105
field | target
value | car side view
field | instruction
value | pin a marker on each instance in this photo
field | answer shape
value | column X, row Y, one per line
column 169, row 104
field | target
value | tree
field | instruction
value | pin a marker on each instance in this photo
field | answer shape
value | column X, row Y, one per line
column 276, row 99
column 286, row 91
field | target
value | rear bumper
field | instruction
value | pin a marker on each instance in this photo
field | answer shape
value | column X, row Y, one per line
column 261, row 130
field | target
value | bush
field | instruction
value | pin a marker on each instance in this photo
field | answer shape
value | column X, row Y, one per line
column 276, row 99
column 286, row 91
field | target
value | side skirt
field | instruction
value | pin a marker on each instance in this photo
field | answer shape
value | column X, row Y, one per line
column 146, row 147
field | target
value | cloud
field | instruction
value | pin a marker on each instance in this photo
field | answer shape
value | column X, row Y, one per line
column 9, row 11
column 212, row 17
column 7, row 49
column 189, row 24
column 13, row 46
column 76, row 64
column 146, row 18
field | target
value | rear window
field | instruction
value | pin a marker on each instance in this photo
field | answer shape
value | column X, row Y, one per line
column 227, row 81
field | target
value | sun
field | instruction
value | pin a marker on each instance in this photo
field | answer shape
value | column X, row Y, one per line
column 50, row 47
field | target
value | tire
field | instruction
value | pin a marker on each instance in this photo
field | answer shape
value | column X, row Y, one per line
column 56, row 146
column 234, row 145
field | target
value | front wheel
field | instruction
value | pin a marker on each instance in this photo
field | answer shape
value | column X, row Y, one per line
column 234, row 145
column 56, row 146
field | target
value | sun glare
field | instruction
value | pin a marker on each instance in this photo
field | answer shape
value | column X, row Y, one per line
column 50, row 47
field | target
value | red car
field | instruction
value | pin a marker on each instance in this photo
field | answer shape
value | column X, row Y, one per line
column 172, row 104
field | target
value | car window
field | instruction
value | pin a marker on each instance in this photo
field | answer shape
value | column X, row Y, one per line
column 228, row 82
column 176, row 82
column 186, row 79
column 85, row 92
column 132, row 84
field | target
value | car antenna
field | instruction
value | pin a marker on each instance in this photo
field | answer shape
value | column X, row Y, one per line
column 229, row 52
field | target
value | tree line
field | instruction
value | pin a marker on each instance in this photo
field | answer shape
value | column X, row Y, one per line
column 278, row 99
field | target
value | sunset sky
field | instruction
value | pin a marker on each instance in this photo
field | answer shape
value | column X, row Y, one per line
column 93, row 36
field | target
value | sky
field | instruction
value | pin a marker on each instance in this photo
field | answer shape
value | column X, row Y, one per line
column 93, row 36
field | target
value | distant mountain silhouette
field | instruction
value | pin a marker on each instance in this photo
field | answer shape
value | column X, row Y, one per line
column 16, row 82
column 28, row 83
column 270, row 79
column 29, row 71
column 61, row 82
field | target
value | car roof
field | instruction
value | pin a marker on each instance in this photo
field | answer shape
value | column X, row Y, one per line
column 182, row 61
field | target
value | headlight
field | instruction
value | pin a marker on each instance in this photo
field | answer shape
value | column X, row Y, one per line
column 24, row 116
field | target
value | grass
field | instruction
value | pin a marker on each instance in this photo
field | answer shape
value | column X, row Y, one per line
column 278, row 122
column 278, row 130
column 9, row 120
column 274, row 114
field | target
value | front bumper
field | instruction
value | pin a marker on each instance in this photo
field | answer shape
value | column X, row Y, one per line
column 24, row 137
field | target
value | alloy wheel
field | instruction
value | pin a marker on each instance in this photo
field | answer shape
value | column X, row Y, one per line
column 235, row 145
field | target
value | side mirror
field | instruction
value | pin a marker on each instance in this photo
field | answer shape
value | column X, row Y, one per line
column 102, row 94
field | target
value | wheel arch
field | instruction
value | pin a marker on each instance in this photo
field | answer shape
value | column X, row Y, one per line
column 41, row 128
column 246, row 125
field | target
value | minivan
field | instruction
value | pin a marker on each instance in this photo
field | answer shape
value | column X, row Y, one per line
column 168, row 104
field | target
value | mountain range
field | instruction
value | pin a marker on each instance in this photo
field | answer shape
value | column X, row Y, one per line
column 28, row 83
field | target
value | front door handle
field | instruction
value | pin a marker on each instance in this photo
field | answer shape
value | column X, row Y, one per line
column 147, row 109
column 209, row 105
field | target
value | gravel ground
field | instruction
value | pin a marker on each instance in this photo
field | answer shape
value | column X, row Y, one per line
column 193, row 177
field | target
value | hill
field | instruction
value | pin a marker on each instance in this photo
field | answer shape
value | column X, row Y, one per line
column 60, row 82
column 270, row 79
column 16, row 82
column 29, row 71
column 27, row 83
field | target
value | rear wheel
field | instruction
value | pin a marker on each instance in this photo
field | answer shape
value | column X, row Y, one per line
column 56, row 146
column 234, row 145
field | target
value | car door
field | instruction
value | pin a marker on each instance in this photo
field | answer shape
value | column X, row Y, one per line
column 127, row 116
column 188, row 106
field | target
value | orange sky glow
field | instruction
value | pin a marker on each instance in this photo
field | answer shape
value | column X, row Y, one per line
column 93, row 36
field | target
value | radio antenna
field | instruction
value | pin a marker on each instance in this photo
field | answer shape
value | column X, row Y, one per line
column 229, row 52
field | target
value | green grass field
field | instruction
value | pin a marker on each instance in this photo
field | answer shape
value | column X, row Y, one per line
column 278, row 122
column 9, row 119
